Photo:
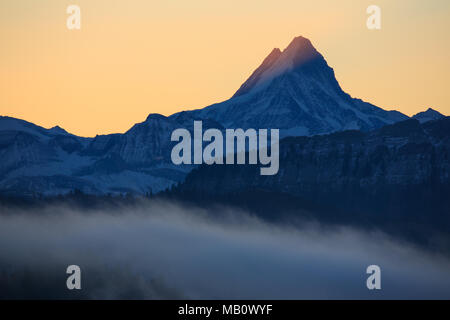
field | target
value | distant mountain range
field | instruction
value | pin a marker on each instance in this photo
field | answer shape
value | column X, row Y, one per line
column 403, row 167
column 293, row 90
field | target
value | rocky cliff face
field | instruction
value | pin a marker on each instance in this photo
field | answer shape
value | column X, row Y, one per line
column 428, row 115
column 399, row 169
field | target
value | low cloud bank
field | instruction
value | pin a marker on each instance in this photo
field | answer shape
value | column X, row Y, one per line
column 158, row 251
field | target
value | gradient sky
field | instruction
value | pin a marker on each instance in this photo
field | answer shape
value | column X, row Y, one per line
column 136, row 57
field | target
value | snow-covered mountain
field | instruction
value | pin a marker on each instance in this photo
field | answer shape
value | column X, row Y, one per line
column 43, row 161
column 398, row 175
column 428, row 115
column 293, row 90
column 296, row 91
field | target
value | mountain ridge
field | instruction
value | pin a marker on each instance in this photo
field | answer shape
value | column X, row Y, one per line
column 293, row 90
column 428, row 115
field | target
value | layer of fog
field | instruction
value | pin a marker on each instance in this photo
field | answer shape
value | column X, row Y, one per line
column 166, row 251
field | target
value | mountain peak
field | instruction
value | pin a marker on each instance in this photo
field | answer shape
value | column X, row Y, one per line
column 296, row 54
column 300, row 40
column 155, row 116
column 300, row 51
column 428, row 115
column 57, row 130
column 256, row 76
column 275, row 52
column 301, row 45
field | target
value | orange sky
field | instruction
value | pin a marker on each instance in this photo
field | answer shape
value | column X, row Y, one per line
column 136, row 57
